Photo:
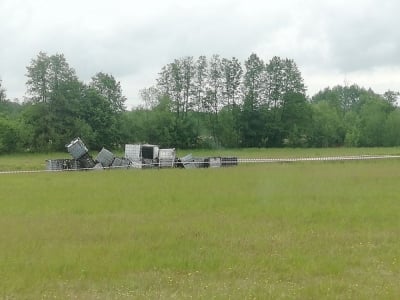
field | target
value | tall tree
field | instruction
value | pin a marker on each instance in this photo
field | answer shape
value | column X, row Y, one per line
column 176, row 87
column 97, row 112
column 200, row 80
column 252, row 121
column 392, row 97
column 213, row 93
column 37, row 83
column 253, row 81
column 282, row 76
column 55, row 92
column 150, row 96
column 343, row 98
column 110, row 89
column 164, row 81
column 232, row 78
column 188, row 73
column 231, row 98
column 47, row 76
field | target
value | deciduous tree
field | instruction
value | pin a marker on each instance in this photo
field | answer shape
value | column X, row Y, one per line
column 108, row 87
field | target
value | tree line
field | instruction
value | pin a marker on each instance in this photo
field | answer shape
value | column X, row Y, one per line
column 195, row 103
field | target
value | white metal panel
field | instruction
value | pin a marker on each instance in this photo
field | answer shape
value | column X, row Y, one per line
column 132, row 152
column 166, row 157
column 215, row 162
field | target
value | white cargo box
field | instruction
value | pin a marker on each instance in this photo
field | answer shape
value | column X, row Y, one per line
column 214, row 162
column 133, row 152
column 166, row 158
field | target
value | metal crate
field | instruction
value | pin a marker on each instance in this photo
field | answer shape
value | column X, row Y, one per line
column 86, row 162
column 133, row 152
column 62, row 164
column 105, row 157
column 166, row 158
column 77, row 148
column 55, row 164
column 121, row 163
column 229, row 161
column 213, row 162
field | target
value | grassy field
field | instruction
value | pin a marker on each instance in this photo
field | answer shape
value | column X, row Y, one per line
column 318, row 230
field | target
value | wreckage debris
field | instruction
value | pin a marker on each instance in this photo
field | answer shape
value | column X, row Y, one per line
column 139, row 156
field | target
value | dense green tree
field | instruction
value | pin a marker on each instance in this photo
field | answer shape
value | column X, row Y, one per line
column 48, row 75
column 252, row 121
column 327, row 126
column 55, row 91
column 373, row 115
column 97, row 112
column 38, row 127
column 344, row 98
column 229, row 126
column 253, row 82
column 232, row 79
column 391, row 134
column 9, row 135
column 110, row 89
column 196, row 103
column 214, row 94
column 199, row 93
column 282, row 77
column 188, row 69
column 296, row 118
column 62, row 107
column 391, row 97
column 352, row 125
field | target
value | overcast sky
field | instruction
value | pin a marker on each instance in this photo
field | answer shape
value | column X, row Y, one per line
column 332, row 41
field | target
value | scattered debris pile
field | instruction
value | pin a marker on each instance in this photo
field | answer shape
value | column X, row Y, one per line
column 139, row 156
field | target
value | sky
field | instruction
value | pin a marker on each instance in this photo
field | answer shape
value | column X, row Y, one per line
column 333, row 42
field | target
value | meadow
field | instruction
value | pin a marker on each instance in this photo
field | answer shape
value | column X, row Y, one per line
column 310, row 230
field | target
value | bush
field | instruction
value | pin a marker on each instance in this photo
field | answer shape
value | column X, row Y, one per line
column 9, row 136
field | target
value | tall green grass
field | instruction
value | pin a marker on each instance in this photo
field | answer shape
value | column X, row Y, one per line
column 302, row 230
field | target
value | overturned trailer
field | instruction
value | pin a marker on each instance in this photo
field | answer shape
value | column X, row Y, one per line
column 138, row 156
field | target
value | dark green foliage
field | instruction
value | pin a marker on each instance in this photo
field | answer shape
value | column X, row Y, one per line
column 327, row 126
column 9, row 135
column 109, row 89
column 296, row 117
column 61, row 107
column 196, row 103
column 353, row 116
column 391, row 136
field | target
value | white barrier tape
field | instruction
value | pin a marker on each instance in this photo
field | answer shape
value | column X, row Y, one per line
column 330, row 158
column 239, row 160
